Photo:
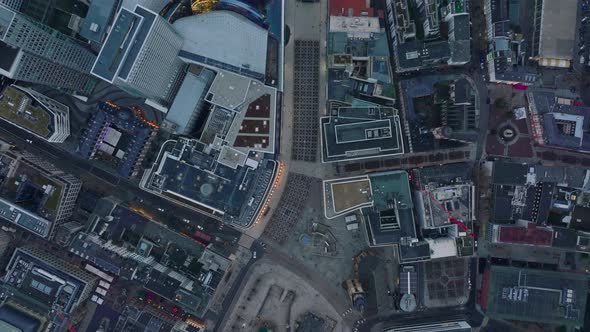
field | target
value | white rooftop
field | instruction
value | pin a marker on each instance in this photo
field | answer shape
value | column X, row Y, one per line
column 363, row 24
column 225, row 37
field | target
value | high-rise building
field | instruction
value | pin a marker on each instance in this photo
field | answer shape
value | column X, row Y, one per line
column 15, row 5
column 36, row 113
column 35, row 195
column 33, row 52
column 140, row 56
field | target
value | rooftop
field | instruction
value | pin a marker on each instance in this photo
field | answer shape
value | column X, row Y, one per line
column 352, row 8
column 390, row 218
column 189, row 101
column 97, row 19
column 30, row 198
column 14, row 320
column 117, row 136
column 355, row 26
column 18, row 108
column 557, row 34
column 244, row 46
column 128, row 33
column 346, row 195
column 361, row 132
column 537, row 296
column 530, row 234
column 190, row 172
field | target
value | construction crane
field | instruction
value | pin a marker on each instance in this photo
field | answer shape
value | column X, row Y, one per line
column 66, row 321
column 203, row 6
column 452, row 218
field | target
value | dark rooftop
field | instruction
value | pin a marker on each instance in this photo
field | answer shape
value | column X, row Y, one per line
column 509, row 173
column 18, row 319
column 581, row 218
column 537, row 296
column 97, row 19
column 361, row 132
column 115, row 48
column 7, row 56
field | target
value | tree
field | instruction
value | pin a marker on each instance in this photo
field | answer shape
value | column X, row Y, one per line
column 500, row 103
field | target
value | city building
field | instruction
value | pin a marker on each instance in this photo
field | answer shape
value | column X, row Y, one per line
column 429, row 15
column 35, row 113
column 416, row 48
column 444, row 326
column 123, row 243
column 529, row 192
column 120, row 137
column 439, row 113
column 440, row 201
column 558, row 122
column 553, row 43
column 359, row 69
column 506, row 58
column 14, row 317
column 243, row 50
column 386, row 206
column 352, row 133
column 35, row 53
column 140, row 56
column 98, row 19
column 538, row 296
column 214, row 179
column 190, row 105
column 445, row 209
column 35, row 194
column 5, row 240
column 46, row 283
column 15, row 5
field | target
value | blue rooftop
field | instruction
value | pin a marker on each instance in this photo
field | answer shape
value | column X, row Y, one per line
column 138, row 41
column 116, row 46
column 96, row 21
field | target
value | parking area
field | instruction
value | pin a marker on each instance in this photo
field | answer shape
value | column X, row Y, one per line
column 306, row 100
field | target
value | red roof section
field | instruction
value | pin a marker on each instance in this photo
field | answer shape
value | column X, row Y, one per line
column 526, row 235
column 342, row 8
column 485, row 289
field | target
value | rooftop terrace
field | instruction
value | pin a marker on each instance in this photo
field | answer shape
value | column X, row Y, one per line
column 20, row 109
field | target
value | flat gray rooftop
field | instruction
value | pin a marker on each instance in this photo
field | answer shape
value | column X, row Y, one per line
column 558, row 30
column 360, row 133
column 225, row 40
column 228, row 90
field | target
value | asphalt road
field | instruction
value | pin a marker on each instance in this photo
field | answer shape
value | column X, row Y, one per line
column 122, row 188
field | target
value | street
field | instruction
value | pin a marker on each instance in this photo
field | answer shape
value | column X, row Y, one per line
column 110, row 184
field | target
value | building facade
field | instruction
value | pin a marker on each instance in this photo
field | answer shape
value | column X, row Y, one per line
column 52, row 112
column 141, row 56
column 38, row 54
column 57, row 203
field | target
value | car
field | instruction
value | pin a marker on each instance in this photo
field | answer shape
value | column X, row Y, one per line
column 253, row 254
column 200, row 227
column 161, row 210
column 186, row 220
column 29, row 141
